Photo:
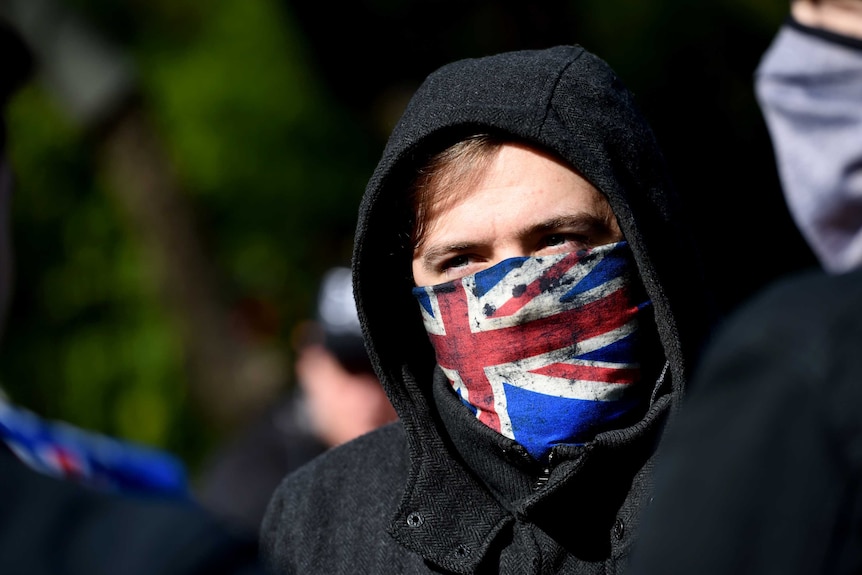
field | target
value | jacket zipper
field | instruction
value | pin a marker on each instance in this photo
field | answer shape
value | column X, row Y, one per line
column 544, row 475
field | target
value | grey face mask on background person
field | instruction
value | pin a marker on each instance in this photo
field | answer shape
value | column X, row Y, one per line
column 817, row 137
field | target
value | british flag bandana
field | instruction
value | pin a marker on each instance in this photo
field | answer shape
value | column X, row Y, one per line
column 544, row 349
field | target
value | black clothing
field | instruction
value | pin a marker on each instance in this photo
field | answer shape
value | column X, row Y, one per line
column 439, row 491
column 55, row 527
column 762, row 472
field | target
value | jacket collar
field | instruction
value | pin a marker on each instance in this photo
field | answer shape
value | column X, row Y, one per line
column 466, row 483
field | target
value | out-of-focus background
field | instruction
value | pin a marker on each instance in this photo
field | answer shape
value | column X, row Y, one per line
column 187, row 170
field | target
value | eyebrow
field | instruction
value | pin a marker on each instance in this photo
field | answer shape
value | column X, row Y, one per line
column 585, row 221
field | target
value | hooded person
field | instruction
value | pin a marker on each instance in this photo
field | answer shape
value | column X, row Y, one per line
column 532, row 304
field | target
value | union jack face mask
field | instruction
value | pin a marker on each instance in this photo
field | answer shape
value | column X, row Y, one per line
column 543, row 350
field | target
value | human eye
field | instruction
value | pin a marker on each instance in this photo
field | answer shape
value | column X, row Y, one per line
column 555, row 240
column 559, row 242
column 455, row 262
column 444, row 263
column 458, row 266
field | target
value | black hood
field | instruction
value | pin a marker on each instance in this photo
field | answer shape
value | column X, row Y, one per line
column 565, row 100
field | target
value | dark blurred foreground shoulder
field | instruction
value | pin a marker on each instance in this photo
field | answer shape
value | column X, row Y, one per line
column 53, row 526
column 759, row 472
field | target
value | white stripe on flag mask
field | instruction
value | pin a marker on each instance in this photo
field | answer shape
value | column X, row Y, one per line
column 543, row 350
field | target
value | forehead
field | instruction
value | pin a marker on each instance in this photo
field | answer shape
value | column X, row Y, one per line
column 512, row 178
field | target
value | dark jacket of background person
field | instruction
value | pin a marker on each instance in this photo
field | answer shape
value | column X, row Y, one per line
column 69, row 527
column 762, row 471
column 439, row 491
column 763, row 475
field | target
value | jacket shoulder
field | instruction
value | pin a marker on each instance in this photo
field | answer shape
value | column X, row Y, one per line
column 793, row 347
column 339, row 503
column 799, row 309
column 50, row 525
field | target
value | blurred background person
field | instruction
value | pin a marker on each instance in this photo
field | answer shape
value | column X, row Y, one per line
column 762, row 472
column 336, row 398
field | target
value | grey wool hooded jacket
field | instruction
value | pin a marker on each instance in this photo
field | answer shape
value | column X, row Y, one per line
column 438, row 491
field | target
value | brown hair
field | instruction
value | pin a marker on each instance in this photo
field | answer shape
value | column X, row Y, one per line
column 443, row 179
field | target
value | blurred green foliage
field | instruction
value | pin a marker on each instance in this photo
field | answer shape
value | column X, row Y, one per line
column 269, row 158
column 275, row 172
column 86, row 341
column 257, row 111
